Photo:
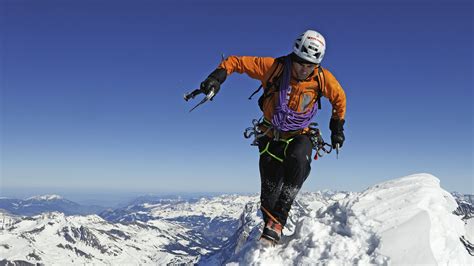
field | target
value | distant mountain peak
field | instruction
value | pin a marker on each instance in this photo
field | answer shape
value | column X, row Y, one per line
column 48, row 197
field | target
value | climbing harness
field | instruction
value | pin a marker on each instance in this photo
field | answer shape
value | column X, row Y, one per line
column 255, row 130
column 319, row 145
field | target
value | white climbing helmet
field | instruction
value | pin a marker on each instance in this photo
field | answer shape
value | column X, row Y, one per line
column 310, row 46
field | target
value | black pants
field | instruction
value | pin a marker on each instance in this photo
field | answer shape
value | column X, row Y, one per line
column 282, row 180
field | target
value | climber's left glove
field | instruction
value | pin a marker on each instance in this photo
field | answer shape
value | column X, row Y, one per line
column 337, row 132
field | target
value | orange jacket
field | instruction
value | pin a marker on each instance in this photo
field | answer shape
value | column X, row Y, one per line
column 303, row 93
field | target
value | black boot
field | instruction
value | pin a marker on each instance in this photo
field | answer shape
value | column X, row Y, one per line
column 272, row 230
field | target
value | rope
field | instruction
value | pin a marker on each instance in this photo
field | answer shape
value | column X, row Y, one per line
column 284, row 118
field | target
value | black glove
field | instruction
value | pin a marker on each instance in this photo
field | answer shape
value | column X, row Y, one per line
column 214, row 81
column 337, row 132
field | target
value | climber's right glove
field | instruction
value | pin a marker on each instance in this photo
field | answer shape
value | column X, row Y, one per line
column 213, row 81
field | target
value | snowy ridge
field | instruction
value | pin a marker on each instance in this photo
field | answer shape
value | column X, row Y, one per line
column 403, row 221
column 414, row 220
column 409, row 220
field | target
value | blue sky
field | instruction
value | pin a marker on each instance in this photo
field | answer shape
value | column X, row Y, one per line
column 92, row 93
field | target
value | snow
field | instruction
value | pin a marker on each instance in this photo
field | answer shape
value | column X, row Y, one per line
column 470, row 230
column 417, row 213
column 403, row 221
column 221, row 206
column 44, row 235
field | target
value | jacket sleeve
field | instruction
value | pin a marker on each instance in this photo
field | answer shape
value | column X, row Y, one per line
column 336, row 95
column 254, row 67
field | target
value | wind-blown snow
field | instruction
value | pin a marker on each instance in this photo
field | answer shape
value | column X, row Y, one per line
column 414, row 219
column 406, row 221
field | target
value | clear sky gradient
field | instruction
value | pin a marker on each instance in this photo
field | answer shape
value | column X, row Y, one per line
column 92, row 92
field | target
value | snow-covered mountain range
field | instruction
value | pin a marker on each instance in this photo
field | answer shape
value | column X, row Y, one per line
column 46, row 203
column 409, row 220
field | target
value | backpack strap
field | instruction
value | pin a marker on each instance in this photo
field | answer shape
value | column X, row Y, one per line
column 276, row 73
column 321, row 81
column 256, row 91
column 271, row 75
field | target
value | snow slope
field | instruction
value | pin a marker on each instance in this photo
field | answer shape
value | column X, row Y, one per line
column 407, row 221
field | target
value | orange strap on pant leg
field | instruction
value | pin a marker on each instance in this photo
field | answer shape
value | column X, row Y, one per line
column 270, row 215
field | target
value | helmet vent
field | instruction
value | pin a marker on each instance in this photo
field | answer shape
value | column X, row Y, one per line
column 310, row 46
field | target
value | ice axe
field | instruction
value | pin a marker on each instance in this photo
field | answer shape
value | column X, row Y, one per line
column 196, row 92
